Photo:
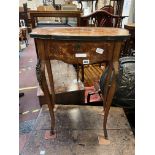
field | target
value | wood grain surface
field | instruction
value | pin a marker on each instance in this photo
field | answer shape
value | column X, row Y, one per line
column 80, row 32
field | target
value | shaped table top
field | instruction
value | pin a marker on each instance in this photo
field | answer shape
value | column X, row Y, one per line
column 80, row 33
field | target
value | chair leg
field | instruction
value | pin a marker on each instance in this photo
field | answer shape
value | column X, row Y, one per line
column 77, row 70
column 82, row 71
column 26, row 42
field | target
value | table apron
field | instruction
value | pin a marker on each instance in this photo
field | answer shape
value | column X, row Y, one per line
column 75, row 52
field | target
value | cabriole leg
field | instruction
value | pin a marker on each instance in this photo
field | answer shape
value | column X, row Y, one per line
column 40, row 73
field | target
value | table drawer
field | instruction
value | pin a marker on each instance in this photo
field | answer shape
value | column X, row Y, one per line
column 77, row 52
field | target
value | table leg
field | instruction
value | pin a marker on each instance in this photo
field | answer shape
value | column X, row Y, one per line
column 40, row 72
column 108, row 104
column 50, row 76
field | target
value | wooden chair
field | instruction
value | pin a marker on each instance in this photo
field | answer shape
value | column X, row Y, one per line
column 102, row 18
column 24, row 15
column 23, row 35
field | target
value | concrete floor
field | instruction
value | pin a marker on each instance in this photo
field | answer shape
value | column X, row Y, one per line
column 29, row 103
column 77, row 130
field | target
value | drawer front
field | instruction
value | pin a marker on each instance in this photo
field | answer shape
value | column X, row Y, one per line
column 80, row 52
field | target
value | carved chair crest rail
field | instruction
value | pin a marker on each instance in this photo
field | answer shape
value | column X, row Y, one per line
column 102, row 18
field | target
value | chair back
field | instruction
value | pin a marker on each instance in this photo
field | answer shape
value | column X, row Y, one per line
column 101, row 18
column 115, row 7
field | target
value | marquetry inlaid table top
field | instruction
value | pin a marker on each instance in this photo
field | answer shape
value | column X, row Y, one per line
column 86, row 33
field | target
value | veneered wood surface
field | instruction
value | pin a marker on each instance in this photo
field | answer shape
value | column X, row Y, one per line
column 67, row 50
column 55, row 12
column 80, row 32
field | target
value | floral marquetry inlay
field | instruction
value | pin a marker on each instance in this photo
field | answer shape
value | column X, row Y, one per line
column 67, row 51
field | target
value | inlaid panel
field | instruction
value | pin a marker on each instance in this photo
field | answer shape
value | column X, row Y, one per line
column 75, row 52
